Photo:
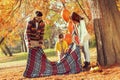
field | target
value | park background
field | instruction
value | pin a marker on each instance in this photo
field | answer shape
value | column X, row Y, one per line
column 14, row 16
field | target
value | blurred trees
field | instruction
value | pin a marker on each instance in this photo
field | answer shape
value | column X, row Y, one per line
column 14, row 16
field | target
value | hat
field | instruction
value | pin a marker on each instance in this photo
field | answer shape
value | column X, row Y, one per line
column 38, row 13
column 76, row 17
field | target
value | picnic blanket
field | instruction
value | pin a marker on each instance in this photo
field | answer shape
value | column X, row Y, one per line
column 38, row 65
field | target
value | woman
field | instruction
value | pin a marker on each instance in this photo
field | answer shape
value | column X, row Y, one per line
column 82, row 38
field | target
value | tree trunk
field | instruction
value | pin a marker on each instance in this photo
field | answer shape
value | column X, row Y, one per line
column 23, row 45
column 8, row 50
column 4, row 51
column 107, row 32
column 110, row 31
column 49, row 43
column 22, row 50
column 101, row 57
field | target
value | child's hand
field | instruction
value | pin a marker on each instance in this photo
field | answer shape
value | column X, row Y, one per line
column 66, row 50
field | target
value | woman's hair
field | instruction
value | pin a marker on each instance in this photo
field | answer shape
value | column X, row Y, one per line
column 61, row 36
column 76, row 17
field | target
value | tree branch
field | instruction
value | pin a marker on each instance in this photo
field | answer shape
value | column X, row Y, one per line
column 17, row 6
column 19, row 22
column 83, row 10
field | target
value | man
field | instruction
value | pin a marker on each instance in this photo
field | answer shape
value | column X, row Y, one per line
column 35, row 31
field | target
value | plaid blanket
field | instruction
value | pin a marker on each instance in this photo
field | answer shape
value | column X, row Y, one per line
column 38, row 65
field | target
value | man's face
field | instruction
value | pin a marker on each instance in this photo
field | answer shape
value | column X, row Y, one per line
column 38, row 19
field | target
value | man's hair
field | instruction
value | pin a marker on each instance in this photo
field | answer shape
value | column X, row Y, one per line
column 38, row 13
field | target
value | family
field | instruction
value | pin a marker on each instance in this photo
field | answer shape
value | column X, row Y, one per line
column 69, row 55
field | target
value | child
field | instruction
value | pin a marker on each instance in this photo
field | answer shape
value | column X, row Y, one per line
column 61, row 46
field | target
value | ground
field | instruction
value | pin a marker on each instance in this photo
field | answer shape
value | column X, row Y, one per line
column 14, row 71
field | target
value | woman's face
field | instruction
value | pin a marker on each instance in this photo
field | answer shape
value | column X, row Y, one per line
column 75, row 22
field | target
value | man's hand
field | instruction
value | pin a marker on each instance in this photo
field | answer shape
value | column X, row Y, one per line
column 29, row 46
column 41, row 46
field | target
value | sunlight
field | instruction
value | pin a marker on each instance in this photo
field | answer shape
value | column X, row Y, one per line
column 5, row 2
column 30, row 33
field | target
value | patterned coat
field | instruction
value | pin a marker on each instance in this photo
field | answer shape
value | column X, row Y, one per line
column 33, row 33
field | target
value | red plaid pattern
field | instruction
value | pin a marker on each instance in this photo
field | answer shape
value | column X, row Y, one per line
column 38, row 65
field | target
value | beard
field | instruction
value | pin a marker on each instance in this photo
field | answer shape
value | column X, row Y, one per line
column 38, row 20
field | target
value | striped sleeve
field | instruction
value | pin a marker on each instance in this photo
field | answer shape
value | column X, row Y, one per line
column 42, row 26
column 28, row 33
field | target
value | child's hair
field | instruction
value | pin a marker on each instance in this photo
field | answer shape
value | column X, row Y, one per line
column 61, row 36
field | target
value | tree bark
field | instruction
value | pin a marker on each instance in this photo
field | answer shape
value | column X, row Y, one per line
column 107, row 32
column 110, row 31
column 101, row 57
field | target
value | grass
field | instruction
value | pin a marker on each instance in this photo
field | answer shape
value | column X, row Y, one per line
column 50, row 53
column 15, row 57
